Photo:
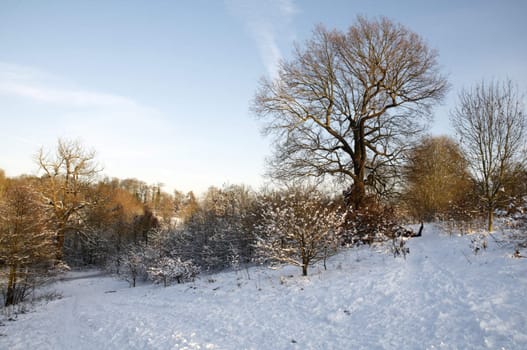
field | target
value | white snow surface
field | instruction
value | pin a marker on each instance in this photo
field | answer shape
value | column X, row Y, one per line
column 441, row 297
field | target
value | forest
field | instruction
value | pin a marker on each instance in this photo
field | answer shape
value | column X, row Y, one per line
column 352, row 165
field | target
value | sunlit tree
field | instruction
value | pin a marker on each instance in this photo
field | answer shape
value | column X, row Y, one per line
column 346, row 104
column 491, row 122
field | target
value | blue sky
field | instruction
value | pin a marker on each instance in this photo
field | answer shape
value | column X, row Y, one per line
column 161, row 89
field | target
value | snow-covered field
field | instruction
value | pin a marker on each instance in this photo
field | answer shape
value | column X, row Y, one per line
column 441, row 297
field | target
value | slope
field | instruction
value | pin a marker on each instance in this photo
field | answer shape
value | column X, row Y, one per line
column 441, row 297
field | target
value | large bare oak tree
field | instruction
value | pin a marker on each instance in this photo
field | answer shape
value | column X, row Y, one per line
column 344, row 105
column 491, row 122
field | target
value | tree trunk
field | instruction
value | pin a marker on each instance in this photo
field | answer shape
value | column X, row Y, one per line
column 491, row 218
column 11, row 286
column 60, row 245
column 358, row 193
column 305, row 260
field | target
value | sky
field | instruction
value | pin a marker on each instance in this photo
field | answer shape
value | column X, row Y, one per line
column 161, row 90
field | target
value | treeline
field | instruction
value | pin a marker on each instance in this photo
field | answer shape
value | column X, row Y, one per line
column 69, row 216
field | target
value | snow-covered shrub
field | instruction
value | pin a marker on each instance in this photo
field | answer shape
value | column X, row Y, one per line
column 299, row 227
column 399, row 247
column 478, row 243
column 375, row 222
column 515, row 224
column 168, row 270
column 133, row 264
column 465, row 216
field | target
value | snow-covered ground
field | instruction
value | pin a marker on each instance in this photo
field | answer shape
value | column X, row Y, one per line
column 441, row 297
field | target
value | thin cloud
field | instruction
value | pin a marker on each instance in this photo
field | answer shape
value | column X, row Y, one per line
column 62, row 96
column 287, row 7
column 118, row 127
column 265, row 21
column 26, row 82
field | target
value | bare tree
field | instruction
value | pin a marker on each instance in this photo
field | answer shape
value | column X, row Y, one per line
column 66, row 175
column 491, row 122
column 345, row 105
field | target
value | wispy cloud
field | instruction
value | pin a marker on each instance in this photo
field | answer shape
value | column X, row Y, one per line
column 118, row 127
column 26, row 82
column 266, row 21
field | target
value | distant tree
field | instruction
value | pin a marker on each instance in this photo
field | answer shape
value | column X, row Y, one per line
column 143, row 225
column 490, row 121
column 66, row 176
column 133, row 264
column 136, row 187
column 189, row 206
column 165, row 209
column 26, row 240
column 298, row 227
column 437, row 176
column 179, row 199
column 514, row 187
column 108, row 226
column 346, row 104
column 3, row 181
column 219, row 233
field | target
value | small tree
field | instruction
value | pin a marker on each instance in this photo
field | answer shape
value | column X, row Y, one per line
column 491, row 122
column 297, row 228
column 437, row 176
column 133, row 264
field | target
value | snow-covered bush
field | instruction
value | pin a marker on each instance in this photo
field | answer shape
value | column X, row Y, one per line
column 515, row 224
column 375, row 222
column 298, row 227
column 399, row 247
column 478, row 243
column 133, row 264
column 168, row 270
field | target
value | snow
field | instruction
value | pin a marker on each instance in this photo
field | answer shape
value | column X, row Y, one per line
column 441, row 297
